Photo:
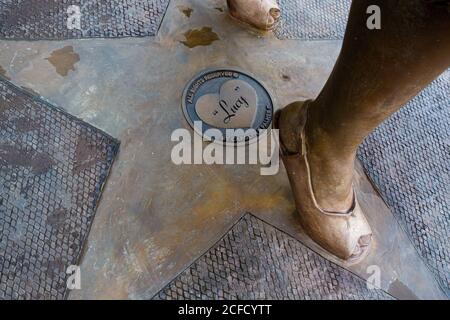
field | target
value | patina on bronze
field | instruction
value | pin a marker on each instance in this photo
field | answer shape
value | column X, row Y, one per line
column 377, row 72
column 56, row 20
column 240, row 257
column 225, row 99
column 52, row 171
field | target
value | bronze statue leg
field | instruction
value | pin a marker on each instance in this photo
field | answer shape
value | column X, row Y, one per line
column 377, row 72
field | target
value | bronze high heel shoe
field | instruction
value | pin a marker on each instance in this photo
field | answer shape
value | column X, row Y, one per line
column 347, row 235
column 261, row 14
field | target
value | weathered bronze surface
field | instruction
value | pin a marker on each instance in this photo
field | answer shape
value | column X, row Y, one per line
column 148, row 227
column 52, row 170
column 254, row 260
column 199, row 37
column 49, row 19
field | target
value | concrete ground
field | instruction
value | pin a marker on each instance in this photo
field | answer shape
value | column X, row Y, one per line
column 155, row 217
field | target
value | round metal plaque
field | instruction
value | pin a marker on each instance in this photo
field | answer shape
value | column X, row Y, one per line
column 227, row 105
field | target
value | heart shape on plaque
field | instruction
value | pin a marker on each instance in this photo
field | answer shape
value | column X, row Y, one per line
column 234, row 106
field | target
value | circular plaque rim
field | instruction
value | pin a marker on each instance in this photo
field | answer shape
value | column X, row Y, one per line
column 218, row 69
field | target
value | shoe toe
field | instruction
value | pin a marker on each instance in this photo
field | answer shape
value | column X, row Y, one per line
column 361, row 250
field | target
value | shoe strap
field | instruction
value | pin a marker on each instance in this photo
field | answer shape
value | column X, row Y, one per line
column 304, row 153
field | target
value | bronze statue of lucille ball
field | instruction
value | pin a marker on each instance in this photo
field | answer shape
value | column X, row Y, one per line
column 377, row 72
